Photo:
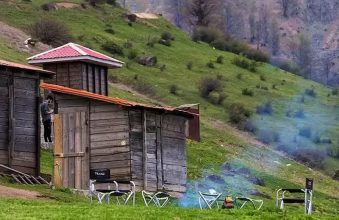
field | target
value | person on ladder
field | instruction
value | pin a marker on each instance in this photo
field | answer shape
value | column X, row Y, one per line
column 46, row 113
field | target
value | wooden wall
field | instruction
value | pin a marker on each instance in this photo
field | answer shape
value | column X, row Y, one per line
column 109, row 139
column 79, row 75
column 19, row 120
column 4, row 116
column 174, row 153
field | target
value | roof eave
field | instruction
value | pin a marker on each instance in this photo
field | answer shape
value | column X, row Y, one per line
column 107, row 63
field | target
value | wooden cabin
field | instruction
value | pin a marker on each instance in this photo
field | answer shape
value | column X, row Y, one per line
column 77, row 67
column 137, row 142
column 19, row 116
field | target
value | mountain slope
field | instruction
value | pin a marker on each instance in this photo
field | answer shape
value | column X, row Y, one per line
column 220, row 143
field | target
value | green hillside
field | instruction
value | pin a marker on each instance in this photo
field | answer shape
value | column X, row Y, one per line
column 221, row 142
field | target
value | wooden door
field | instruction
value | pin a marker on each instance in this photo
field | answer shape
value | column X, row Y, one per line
column 71, row 157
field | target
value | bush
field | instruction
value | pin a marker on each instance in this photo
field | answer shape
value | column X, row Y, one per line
column 249, row 126
column 244, row 63
column 132, row 54
column 240, row 76
column 217, row 98
column 268, row 136
column 263, row 78
column 265, row 109
column 166, row 36
column 210, row 65
column 128, row 44
column 148, row 60
column 110, row 30
column 208, row 85
column 206, row 34
column 165, row 42
column 287, row 66
column 335, row 91
column 299, row 113
column 152, row 41
column 220, row 59
column 50, row 31
column 238, row 114
column 162, row 68
column 113, row 48
column 189, row 65
column 173, row 89
column 247, row 92
column 310, row 92
column 305, row 132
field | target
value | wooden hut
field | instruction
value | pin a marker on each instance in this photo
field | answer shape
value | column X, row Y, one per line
column 137, row 142
column 77, row 67
column 19, row 116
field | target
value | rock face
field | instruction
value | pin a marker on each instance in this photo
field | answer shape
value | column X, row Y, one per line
column 319, row 19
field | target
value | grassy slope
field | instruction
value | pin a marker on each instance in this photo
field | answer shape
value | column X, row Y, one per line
column 218, row 145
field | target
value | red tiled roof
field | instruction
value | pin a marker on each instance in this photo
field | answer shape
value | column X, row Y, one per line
column 117, row 101
column 72, row 52
column 23, row 66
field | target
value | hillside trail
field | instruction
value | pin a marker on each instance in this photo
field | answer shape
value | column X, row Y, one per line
column 10, row 192
column 16, row 39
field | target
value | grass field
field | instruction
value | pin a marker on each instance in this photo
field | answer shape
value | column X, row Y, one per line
column 220, row 142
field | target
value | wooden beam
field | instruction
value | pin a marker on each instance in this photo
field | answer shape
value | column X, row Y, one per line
column 144, row 147
column 11, row 130
column 58, row 162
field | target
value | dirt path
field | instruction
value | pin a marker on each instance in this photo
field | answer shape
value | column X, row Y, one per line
column 16, row 38
column 18, row 193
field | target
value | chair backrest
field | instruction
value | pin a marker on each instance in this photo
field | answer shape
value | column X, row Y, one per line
column 100, row 174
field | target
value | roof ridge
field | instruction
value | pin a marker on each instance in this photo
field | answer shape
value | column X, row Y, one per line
column 48, row 51
column 75, row 47
column 111, row 58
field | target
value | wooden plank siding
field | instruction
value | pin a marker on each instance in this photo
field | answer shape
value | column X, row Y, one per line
column 73, row 160
column 19, row 119
column 109, row 139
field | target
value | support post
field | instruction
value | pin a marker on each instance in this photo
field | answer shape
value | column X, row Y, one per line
column 11, row 130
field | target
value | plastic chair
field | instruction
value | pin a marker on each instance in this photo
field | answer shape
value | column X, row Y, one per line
column 125, row 195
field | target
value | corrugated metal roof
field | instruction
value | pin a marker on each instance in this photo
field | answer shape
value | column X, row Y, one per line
column 23, row 66
column 72, row 52
column 117, row 101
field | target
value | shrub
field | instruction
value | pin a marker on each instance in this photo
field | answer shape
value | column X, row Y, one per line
column 310, row 92
column 128, row 44
column 217, row 98
column 335, row 91
column 268, row 136
column 287, row 66
column 173, row 89
column 265, row 109
column 249, row 126
column 166, row 36
column 274, row 86
column 208, row 85
column 148, row 60
column 220, row 59
column 152, row 41
column 238, row 113
column 305, row 132
column 299, row 113
column 240, row 76
column 165, row 42
column 247, row 92
column 210, row 64
column 206, row 34
column 263, row 78
column 50, row 31
column 241, row 62
column 189, row 65
column 132, row 54
column 111, row 2
column 110, row 30
column 162, row 68
column 113, row 48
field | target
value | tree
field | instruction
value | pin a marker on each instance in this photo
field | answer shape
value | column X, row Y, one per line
column 304, row 54
column 252, row 23
column 286, row 6
column 274, row 37
column 264, row 17
column 201, row 11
